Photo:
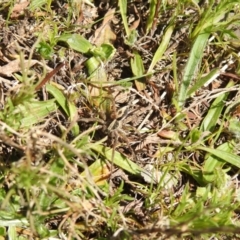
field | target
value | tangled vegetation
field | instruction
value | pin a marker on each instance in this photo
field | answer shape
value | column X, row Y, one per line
column 119, row 119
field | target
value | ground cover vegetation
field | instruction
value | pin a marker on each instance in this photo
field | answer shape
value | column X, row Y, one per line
column 119, row 119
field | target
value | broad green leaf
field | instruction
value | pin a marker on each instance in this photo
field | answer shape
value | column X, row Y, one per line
column 213, row 162
column 69, row 108
column 138, row 70
column 76, row 42
column 119, row 159
column 108, row 51
column 215, row 111
column 192, row 66
column 224, row 156
column 162, row 47
column 35, row 112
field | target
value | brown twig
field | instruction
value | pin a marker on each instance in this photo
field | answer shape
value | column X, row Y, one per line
column 49, row 76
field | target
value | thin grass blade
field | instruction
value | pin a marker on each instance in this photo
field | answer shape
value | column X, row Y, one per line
column 162, row 47
column 138, row 71
column 192, row 66
column 215, row 111
column 123, row 10
column 119, row 159
column 69, row 108
column 152, row 9
column 209, row 78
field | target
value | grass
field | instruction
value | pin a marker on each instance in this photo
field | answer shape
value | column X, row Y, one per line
column 119, row 122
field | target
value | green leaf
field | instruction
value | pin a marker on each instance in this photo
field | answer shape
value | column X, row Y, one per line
column 123, row 10
column 14, row 222
column 2, row 231
column 60, row 98
column 35, row 4
column 105, row 52
column 96, row 71
column 225, row 156
column 76, row 42
column 45, row 50
column 131, row 34
column 99, row 171
column 119, row 159
column 69, row 108
column 138, row 70
column 35, row 112
column 213, row 162
column 211, row 76
column 192, row 171
column 132, row 38
column 162, row 47
column 195, row 135
column 192, row 66
column 212, row 16
column 151, row 14
column 215, row 111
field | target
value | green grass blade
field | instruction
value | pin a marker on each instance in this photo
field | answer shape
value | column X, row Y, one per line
column 162, row 47
column 152, row 9
column 119, row 159
column 213, row 162
column 57, row 94
column 192, row 66
column 123, row 10
column 225, row 156
column 138, row 70
column 69, row 108
column 215, row 111
column 211, row 76
column 213, row 15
